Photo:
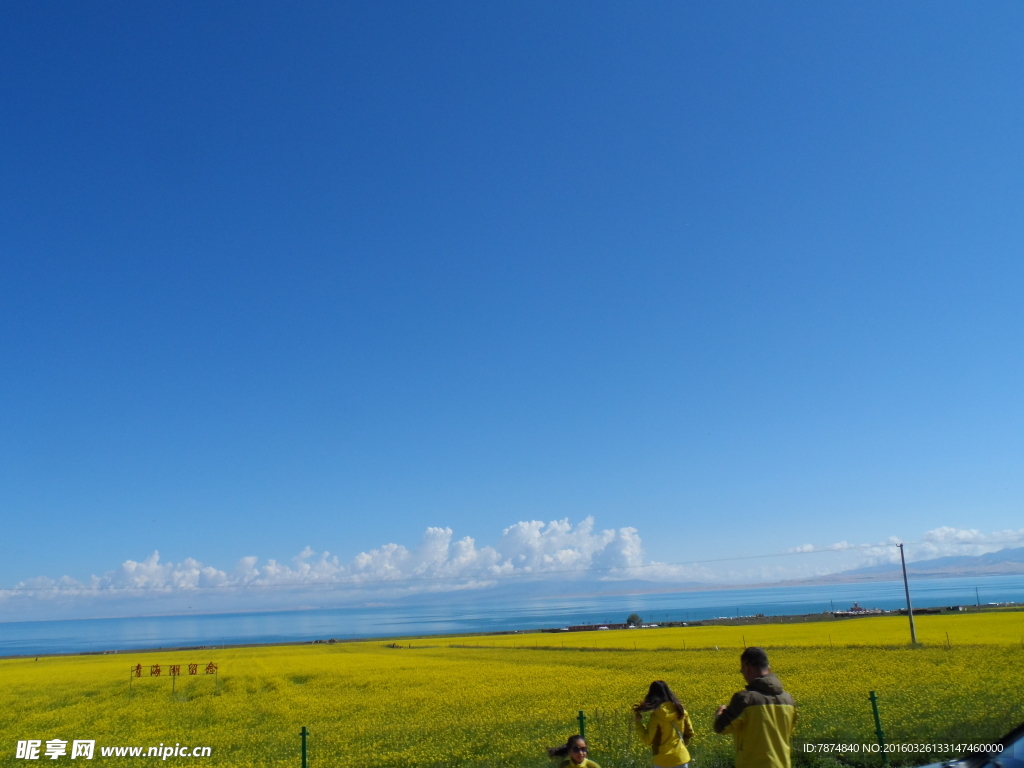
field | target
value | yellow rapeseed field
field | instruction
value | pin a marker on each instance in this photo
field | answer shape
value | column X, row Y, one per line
column 989, row 628
column 367, row 704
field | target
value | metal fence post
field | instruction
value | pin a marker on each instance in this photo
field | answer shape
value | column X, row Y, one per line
column 878, row 728
column 583, row 724
column 303, row 733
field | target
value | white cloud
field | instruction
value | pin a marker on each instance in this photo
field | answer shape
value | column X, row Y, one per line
column 938, row 542
column 525, row 548
column 441, row 563
column 944, row 541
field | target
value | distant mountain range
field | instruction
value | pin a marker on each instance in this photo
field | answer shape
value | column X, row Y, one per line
column 1005, row 561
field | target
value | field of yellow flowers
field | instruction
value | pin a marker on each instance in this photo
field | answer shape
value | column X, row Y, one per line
column 447, row 702
column 989, row 628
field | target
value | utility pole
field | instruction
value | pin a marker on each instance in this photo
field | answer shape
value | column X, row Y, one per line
column 906, row 588
column 977, row 597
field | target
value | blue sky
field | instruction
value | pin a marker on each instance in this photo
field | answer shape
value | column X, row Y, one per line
column 739, row 276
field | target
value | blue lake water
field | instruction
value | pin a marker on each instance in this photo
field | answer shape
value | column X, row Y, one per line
column 459, row 614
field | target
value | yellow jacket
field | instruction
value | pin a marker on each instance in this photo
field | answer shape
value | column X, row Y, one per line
column 761, row 721
column 587, row 763
column 662, row 733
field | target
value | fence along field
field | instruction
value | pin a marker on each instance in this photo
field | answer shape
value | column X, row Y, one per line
column 368, row 704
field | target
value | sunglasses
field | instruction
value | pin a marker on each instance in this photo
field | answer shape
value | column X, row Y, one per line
column 579, row 749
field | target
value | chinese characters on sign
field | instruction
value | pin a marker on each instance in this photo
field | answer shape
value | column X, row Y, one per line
column 174, row 670
column 171, row 670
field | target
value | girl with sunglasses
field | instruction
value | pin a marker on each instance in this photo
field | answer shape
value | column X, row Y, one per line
column 575, row 753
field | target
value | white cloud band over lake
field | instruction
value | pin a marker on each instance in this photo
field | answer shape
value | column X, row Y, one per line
column 528, row 550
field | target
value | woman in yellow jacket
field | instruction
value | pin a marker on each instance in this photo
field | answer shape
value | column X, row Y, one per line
column 668, row 730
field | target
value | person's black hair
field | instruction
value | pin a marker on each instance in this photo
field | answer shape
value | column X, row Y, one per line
column 659, row 693
column 565, row 749
column 755, row 657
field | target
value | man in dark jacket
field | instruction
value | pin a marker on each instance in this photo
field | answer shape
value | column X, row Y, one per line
column 760, row 717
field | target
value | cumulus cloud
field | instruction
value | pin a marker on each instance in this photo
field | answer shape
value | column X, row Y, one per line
column 839, row 546
column 525, row 548
column 440, row 562
column 945, row 541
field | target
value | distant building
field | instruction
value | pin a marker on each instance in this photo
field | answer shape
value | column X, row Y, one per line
column 857, row 610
